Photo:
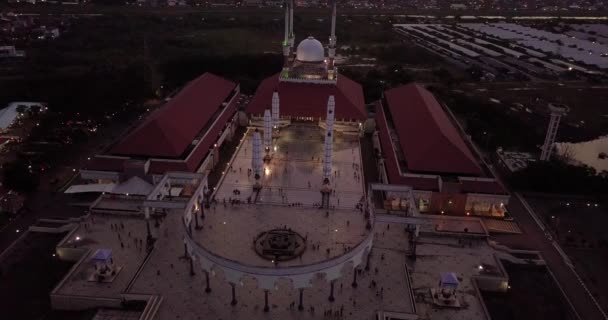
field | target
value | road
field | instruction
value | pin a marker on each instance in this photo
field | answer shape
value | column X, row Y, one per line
column 533, row 238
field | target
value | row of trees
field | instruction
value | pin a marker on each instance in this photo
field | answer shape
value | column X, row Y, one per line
column 557, row 176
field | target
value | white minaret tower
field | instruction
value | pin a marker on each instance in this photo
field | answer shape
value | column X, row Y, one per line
column 267, row 131
column 286, row 47
column 332, row 42
column 275, row 110
column 331, row 108
column 256, row 161
column 556, row 114
column 328, row 155
column 326, row 190
column 292, row 35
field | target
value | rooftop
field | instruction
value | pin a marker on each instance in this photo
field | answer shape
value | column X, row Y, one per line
column 310, row 100
column 169, row 131
column 427, row 137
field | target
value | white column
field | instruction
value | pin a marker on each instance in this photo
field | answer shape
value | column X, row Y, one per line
column 286, row 47
column 327, row 161
column 275, row 109
column 331, row 107
column 267, row 130
column 292, row 35
column 287, row 22
column 256, row 160
column 332, row 38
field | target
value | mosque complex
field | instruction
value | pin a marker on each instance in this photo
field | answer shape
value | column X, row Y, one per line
column 300, row 203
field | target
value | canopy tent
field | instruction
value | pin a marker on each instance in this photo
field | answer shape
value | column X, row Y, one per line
column 449, row 280
column 84, row 188
column 102, row 255
column 134, row 186
column 9, row 114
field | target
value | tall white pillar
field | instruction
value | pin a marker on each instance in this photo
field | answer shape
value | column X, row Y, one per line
column 331, row 110
column 332, row 40
column 256, row 160
column 286, row 47
column 328, row 155
column 275, row 110
column 267, row 130
column 292, row 35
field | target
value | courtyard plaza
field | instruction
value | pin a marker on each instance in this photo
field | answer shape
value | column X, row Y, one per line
column 185, row 296
column 384, row 286
column 230, row 231
column 294, row 175
column 167, row 273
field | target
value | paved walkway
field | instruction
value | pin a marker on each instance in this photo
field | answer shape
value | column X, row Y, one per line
column 185, row 298
column 295, row 172
column 533, row 238
column 229, row 232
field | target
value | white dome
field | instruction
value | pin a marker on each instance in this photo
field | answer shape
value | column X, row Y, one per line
column 310, row 50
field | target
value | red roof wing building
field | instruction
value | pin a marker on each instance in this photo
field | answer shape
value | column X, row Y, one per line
column 169, row 131
column 428, row 139
column 179, row 135
column 310, row 99
column 422, row 148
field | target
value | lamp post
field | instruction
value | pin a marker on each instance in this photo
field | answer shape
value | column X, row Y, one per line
column 208, row 288
column 233, row 302
column 301, row 305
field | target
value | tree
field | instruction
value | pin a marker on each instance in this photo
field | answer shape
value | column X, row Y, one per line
column 21, row 109
column 559, row 177
column 444, row 76
column 18, row 177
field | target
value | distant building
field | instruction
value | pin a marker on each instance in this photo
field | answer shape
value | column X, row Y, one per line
column 253, row 3
column 512, row 161
column 458, row 6
column 11, row 52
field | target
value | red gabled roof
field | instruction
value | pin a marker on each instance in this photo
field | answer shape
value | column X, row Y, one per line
column 310, row 100
column 429, row 140
column 390, row 161
column 169, row 131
